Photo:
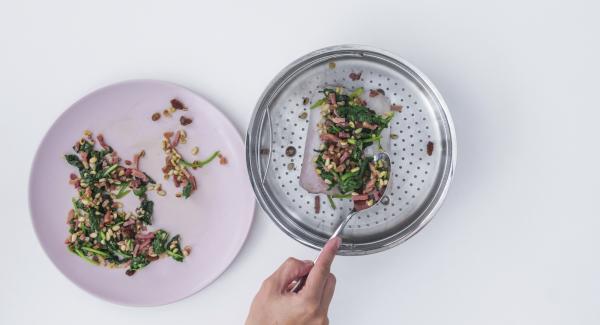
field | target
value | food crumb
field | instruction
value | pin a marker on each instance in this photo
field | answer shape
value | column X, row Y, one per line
column 429, row 148
column 185, row 120
column 303, row 115
column 195, row 150
column 394, row 136
column 373, row 93
column 155, row 116
column 290, row 151
column 222, row 160
column 396, row 108
column 355, row 76
column 166, row 113
column 177, row 104
column 331, row 65
column 291, row 166
column 264, row 151
column 317, row 204
column 305, row 100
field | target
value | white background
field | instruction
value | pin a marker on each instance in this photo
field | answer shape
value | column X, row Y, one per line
column 517, row 240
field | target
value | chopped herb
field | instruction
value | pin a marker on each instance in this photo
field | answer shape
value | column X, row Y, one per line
column 330, row 199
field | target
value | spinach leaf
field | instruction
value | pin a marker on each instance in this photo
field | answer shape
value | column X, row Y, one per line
column 147, row 208
column 187, row 190
column 73, row 160
column 159, row 243
column 138, row 262
column 174, row 249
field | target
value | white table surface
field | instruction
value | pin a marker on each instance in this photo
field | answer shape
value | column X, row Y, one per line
column 517, row 240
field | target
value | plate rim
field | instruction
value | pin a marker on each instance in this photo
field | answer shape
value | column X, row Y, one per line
column 30, row 198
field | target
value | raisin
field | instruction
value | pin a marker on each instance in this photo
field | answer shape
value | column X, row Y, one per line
column 290, row 151
column 177, row 104
column 185, row 120
column 429, row 148
column 355, row 76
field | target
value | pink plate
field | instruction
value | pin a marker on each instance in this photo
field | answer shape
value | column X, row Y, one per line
column 215, row 220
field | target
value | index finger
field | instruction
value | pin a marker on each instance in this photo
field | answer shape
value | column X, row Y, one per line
column 320, row 272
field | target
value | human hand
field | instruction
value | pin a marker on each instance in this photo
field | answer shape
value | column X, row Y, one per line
column 276, row 304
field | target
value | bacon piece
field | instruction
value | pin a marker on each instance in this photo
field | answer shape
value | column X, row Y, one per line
column 193, row 181
column 343, row 135
column 396, row 108
column 137, row 173
column 344, row 156
column 100, row 138
column 429, row 148
column 136, row 158
column 317, row 204
column 332, row 99
column 176, row 139
column 362, row 197
column 70, row 216
column 369, row 126
column 338, row 120
column 329, row 137
column 370, row 185
column 376, row 195
column 360, row 205
column 149, row 235
column 128, row 223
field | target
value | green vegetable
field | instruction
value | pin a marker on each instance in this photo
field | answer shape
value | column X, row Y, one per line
column 83, row 256
column 200, row 163
column 318, row 103
column 95, row 199
column 159, row 243
column 123, row 191
column 187, row 190
column 95, row 251
column 140, row 191
column 138, row 262
column 330, row 201
column 356, row 93
column 174, row 249
column 147, row 209
column 73, row 160
column 109, row 170
column 342, row 196
column 356, row 170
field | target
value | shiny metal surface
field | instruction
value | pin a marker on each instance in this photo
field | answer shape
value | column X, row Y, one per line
column 419, row 181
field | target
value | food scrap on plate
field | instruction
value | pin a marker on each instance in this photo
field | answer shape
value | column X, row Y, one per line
column 100, row 230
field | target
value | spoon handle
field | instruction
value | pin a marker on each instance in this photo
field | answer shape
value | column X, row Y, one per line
column 300, row 283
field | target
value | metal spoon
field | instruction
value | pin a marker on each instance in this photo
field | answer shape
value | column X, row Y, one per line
column 382, row 200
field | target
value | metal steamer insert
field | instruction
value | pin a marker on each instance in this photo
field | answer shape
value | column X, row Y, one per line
column 422, row 149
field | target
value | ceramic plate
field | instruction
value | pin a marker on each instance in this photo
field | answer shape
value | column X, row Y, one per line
column 214, row 220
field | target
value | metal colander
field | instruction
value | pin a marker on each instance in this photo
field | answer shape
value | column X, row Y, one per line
column 419, row 180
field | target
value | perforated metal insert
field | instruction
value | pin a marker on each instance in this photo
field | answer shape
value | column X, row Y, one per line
column 417, row 176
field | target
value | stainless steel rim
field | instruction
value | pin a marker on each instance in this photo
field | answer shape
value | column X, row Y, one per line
column 257, row 176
